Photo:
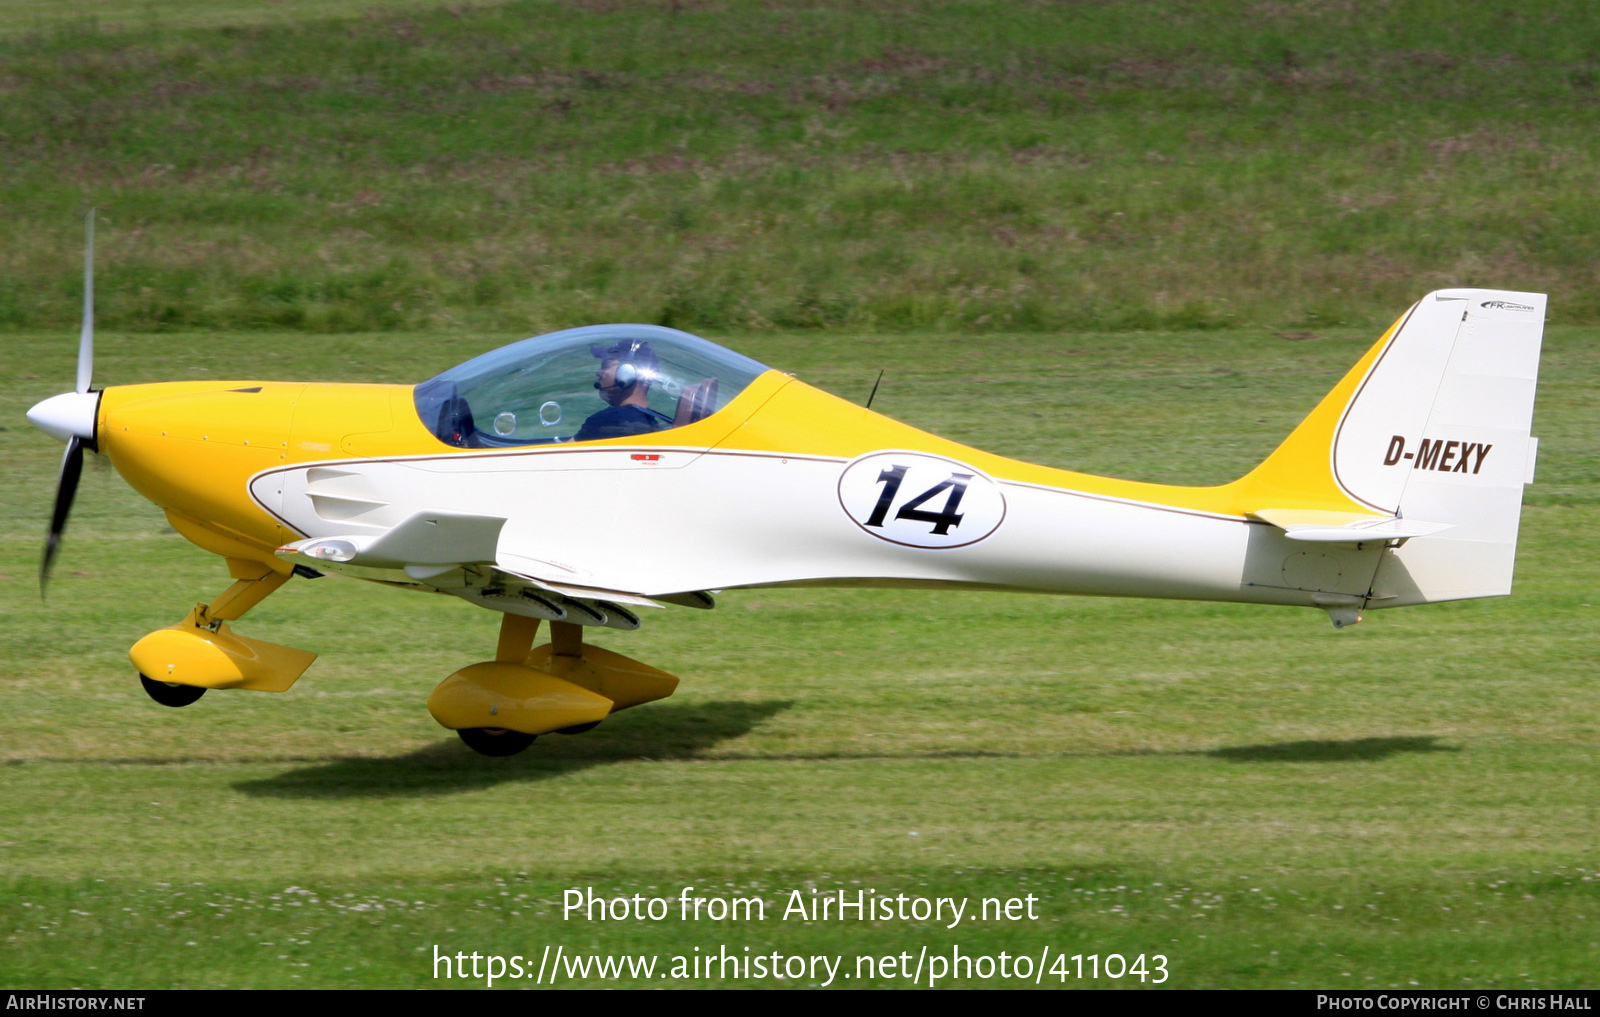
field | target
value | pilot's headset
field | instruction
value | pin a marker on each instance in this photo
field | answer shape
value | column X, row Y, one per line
column 627, row 352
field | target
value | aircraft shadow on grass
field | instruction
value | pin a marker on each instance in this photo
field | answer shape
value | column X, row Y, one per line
column 665, row 732
column 677, row 732
column 1349, row 750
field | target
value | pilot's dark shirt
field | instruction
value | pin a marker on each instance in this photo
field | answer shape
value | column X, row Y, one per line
column 617, row 422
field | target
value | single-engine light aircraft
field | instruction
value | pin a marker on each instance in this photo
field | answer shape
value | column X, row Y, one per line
column 581, row 477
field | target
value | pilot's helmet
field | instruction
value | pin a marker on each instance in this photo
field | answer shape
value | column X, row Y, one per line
column 634, row 353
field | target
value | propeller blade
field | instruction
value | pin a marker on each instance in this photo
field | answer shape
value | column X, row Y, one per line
column 86, row 343
column 71, row 470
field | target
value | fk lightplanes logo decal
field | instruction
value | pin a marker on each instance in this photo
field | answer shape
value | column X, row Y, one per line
column 918, row 500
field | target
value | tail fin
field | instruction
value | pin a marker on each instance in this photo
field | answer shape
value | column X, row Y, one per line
column 1426, row 442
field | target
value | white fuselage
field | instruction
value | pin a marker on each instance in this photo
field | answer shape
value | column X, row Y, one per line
column 655, row 520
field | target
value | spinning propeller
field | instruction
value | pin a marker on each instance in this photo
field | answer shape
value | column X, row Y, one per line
column 71, row 416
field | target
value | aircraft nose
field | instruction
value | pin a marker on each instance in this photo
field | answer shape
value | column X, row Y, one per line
column 67, row 414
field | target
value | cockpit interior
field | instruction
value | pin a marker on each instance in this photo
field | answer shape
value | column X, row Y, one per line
column 582, row 384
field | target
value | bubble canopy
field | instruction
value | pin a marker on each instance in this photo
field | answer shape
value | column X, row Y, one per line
column 582, row 384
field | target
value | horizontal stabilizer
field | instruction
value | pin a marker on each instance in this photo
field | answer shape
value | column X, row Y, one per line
column 1345, row 527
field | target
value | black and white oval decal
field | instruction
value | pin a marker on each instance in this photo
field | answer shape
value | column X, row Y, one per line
column 920, row 500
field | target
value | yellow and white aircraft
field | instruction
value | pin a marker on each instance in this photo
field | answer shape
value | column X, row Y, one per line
column 581, row 477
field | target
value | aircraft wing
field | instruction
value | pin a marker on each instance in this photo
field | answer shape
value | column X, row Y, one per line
column 535, row 571
column 459, row 553
column 424, row 539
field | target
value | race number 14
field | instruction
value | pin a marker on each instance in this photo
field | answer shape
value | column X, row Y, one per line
column 918, row 500
column 913, row 510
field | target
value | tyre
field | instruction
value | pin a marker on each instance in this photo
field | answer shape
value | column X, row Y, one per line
column 170, row 694
column 495, row 741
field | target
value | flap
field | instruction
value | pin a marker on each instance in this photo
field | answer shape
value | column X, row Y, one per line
column 518, row 566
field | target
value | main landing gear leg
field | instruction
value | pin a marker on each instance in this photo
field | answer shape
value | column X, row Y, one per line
column 567, row 686
column 516, row 640
column 566, row 640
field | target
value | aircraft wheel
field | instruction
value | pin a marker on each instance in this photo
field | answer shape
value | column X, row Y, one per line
column 578, row 728
column 495, row 741
column 170, row 694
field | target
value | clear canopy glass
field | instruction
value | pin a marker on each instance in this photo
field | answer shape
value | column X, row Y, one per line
column 582, row 384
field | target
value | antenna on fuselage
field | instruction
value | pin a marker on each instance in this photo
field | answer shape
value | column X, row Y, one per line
column 874, row 392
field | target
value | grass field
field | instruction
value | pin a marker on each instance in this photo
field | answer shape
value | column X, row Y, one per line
column 1126, row 238
column 991, row 166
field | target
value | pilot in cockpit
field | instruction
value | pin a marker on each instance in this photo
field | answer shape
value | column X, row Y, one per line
column 627, row 369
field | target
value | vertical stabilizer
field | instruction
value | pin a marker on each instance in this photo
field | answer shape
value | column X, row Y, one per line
column 1467, row 463
column 1427, row 439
